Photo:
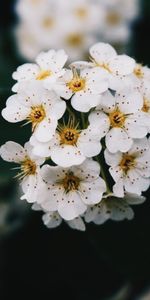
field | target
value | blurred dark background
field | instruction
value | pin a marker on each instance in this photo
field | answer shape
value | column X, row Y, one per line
column 62, row 263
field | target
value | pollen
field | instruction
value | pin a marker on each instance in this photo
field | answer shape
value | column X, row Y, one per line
column 48, row 22
column 138, row 72
column 81, row 12
column 146, row 105
column 113, row 18
column 70, row 182
column 117, row 118
column 127, row 162
column 69, row 133
column 101, row 65
column 36, row 115
column 77, row 83
column 44, row 74
column 28, row 167
column 74, row 40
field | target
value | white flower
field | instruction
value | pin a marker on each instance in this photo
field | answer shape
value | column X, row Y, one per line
column 53, row 219
column 31, row 180
column 71, row 190
column 121, row 119
column 38, row 106
column 84, row 88
column 104, row 56
column 84, row 14
column 145, row 92
column 113, row 208
column 69, row 146
column 130, row 170
column 49, row 66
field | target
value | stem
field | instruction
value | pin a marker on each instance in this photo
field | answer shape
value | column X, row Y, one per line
column 70, row 112
column 102, row 172
column 83, row 120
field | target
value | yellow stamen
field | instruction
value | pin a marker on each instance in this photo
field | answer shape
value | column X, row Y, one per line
column 127, row 162
column 77, row 83
column 44, row 74
column 117, row 118
column 28, row 167
column 146, row 105
column 113, row 18
column 101, row 65
column 36, row 115
column 74, row 39
column 69, row 133
column 48, row 22
column 70, row 182
column 138, row 71
column 81, row 12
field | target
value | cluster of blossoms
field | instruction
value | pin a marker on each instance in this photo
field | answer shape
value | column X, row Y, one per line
column 88, row 156
column 72, row 25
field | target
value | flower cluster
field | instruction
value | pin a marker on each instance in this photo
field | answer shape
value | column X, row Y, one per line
column 88, row 155
column 72, row 25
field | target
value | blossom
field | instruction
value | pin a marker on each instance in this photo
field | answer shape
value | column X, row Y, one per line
column 37, row 106
column 111, row 207
column 53, row 219
column 130, row 170
column 29, row 174
column 120, row 118
column 70, row 145
column 49, row 66
column 116, row 67
column 84, row 88
column 71, row 190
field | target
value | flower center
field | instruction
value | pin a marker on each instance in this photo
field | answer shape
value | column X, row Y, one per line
column 44, row 74
column 146, row 105
column 138, row 72
column 127, row 162
column 74, row 39
column 117, row 118
column 70, row 182
column 69, row 136
column 36, row 115
column 28, row 167
column 81, row 12
column 101, row 65
column 48, row 22
column 113, row 18
column 77, row 83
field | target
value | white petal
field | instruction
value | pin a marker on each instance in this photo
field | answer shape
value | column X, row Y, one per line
column 118, row 140
column 45, row 130
column 91, row 192
column 77, row 223
column 89, row 142
column 34, row 188
column 15, row 111
column 118, row 188
column 84, row 102
column 26, row 72
column 122, row 64
column 100, row 122
column 129, row 101
column 67, row 155
column 112, row 159
column 89, row 170
column 116, row 173
column 72, row 206
column 51, row 219
column 107, row 103
column 12, row 152
column 102, row 52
